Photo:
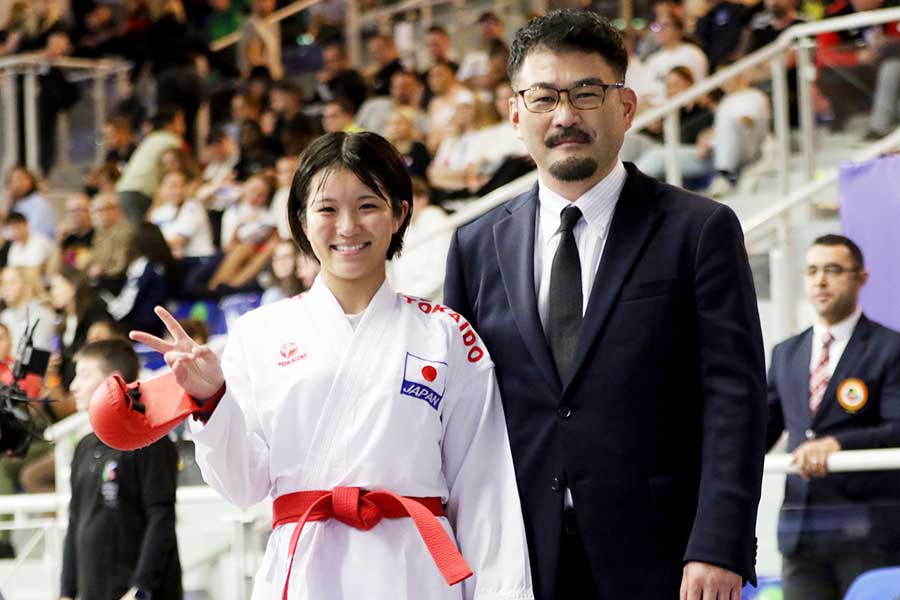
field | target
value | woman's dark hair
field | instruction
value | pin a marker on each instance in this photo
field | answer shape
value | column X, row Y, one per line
column 372, row 159
column 569, row 31
column 271, row 185
column 86, row 299
column 148, row 241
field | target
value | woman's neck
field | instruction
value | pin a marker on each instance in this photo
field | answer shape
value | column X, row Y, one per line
column 355, row 295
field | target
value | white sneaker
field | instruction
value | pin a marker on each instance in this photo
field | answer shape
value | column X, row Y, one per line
column 719, row 186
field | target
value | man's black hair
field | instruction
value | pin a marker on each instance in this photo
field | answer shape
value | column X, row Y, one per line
column 833, row 239
column 569, row 30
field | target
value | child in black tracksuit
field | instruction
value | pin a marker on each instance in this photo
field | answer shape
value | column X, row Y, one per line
column 120, row 543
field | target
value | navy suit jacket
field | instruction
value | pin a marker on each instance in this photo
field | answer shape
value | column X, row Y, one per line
column 659, row 432
column 869, row 499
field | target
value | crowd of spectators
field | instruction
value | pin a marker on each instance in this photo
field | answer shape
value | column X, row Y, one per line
column 167, row 217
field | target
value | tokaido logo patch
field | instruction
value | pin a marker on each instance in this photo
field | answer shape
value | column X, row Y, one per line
column 424, row 379
column 291, row 354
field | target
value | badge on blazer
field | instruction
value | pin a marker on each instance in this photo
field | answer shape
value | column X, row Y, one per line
column 852, row 394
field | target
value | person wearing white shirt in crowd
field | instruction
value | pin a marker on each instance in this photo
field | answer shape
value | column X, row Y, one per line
column 23, row 294
column 448, row 95
column 22, row 196
column 674, row 52
column 741, row 127
column 218, row 190
column 284, row 174
column 499, row 141
column 28, row 249
column 477, row 62
column 248, row 236
column 183, row 221
column 449, row 170
column 419, row 271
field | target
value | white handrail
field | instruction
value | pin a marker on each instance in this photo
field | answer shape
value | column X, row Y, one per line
column 276, row 17
column 474, row 209
column 784, row 42
column 763, row 222
column 41, row 503
column 63, row 62
column 845, row 461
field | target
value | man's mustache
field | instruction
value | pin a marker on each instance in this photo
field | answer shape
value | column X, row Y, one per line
column 569, row 134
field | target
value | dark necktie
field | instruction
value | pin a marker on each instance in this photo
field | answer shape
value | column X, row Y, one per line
column 565, row 305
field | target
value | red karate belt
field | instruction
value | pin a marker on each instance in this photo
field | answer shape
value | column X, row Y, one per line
column 363, row 510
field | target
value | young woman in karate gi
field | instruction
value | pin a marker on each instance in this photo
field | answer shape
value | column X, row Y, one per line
column 352, row 402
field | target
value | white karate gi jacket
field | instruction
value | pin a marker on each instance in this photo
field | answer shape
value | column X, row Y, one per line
column 408, row 403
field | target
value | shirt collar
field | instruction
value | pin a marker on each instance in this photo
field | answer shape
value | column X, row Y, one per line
column 596, row 204
column 842, row 330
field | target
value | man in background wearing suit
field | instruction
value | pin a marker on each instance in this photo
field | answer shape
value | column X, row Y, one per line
column 621, row 317
column 836, row 386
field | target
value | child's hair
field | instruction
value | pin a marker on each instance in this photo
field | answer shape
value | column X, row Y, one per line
column 116, row 355
column 196, row 330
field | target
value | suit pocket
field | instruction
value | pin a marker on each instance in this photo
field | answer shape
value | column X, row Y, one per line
column 647, row 289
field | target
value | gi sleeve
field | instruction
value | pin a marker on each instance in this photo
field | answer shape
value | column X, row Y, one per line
column 483, row 505
column 157, row 467
column 733, row 378
column 231, row 448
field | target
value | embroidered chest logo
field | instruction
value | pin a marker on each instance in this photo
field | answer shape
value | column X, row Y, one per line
column 290, row 354
column 424, row 379
column 109, row 488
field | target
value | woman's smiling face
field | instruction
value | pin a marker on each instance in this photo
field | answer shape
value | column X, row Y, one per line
column 349, row 227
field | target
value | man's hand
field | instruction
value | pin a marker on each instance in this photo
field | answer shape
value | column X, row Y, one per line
column 812, row 456
column 703, row 581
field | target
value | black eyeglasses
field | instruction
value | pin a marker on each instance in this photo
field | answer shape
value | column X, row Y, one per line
column 585, row 96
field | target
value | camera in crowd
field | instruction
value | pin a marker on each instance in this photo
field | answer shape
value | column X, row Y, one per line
column 17, row 427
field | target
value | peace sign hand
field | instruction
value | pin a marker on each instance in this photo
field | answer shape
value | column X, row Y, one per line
column 196, row 368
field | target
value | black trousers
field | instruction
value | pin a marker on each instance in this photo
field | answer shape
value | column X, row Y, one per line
column 824, row 566
column 573, row 580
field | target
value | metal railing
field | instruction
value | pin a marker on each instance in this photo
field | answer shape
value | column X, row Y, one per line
column 770, row 230
column 797, row 38
column 27, row 68
column 356, row 19
column 30, row 512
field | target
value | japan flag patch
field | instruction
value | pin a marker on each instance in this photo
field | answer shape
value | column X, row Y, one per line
column 424, row 379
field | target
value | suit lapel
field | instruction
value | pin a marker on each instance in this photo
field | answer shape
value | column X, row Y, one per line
column 514, row 243
column 798, row 367
column 846, row 366
column 635, row 219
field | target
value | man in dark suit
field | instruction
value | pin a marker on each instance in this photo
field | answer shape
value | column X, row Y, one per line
column 626, row 341
column 835, row 386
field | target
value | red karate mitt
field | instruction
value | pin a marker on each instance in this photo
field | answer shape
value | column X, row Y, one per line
column 134, row 415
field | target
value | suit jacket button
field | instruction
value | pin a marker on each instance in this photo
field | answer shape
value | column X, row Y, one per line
column 564, row 412
column 810, row 434
column 555, row 486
